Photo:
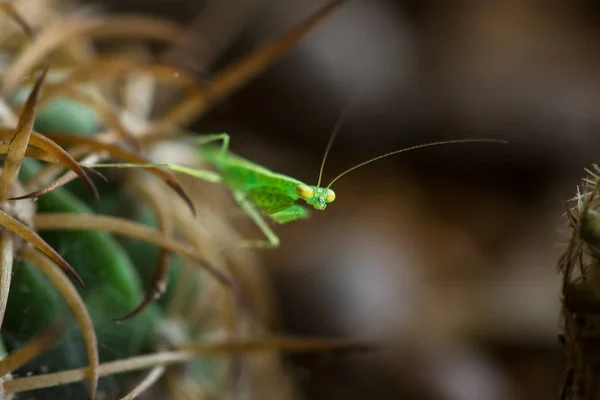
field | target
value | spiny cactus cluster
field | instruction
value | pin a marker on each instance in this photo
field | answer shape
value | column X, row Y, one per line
column 94, row 241
column 580, row 266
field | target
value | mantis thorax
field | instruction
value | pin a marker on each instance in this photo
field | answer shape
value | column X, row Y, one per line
column 315, row 196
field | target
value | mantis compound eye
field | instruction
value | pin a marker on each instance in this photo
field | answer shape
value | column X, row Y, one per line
column 304, row 191
column 330, row 196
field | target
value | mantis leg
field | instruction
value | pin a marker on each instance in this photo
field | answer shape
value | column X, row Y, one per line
column 206, row 175
column 223, row 137
column 253, row 213
column 290, row 214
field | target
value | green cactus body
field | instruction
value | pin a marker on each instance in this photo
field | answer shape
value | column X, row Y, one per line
column 113, row 284
column 64, row 115
column 116, row 271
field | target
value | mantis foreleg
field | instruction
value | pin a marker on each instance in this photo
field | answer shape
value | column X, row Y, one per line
column 254, row 214
column 292, row 213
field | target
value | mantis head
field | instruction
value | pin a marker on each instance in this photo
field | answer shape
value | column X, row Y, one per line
column 315, row 196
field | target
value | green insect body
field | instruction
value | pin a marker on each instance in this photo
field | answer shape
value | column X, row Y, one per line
column 257, row 188
column 260, row 191
column 270, row 191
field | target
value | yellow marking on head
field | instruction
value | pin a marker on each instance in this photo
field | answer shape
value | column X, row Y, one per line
column 304, row 191
column 330, row 197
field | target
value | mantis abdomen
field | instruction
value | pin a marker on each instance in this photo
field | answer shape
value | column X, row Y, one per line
column 243, row 175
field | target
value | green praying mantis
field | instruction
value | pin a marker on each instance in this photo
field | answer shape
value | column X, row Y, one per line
column 261, row 192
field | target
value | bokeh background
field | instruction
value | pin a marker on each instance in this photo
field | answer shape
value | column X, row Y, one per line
column 445, row 257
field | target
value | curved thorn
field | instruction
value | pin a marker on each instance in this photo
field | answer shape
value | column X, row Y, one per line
column 10, row 10
column 78, row 308
column 97, row 173
column 160, row 277
column 20, row 229
column 110, row 27
column 63, row 180
column 19, row 140
column 36, row 194
column 46, row 144
column 102, row 109
column 111, row 67
column 119, row 226
column 239, row 73
column 158, row 286
column 30, row 350
column 6, row 269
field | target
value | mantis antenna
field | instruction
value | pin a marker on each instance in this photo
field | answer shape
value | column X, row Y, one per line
column 336, row 129
column 420, row 146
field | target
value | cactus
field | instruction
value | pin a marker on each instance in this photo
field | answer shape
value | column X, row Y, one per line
column 122, row 238
column 580, row 311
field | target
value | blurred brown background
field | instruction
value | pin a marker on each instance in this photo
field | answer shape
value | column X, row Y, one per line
column 446, row 257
